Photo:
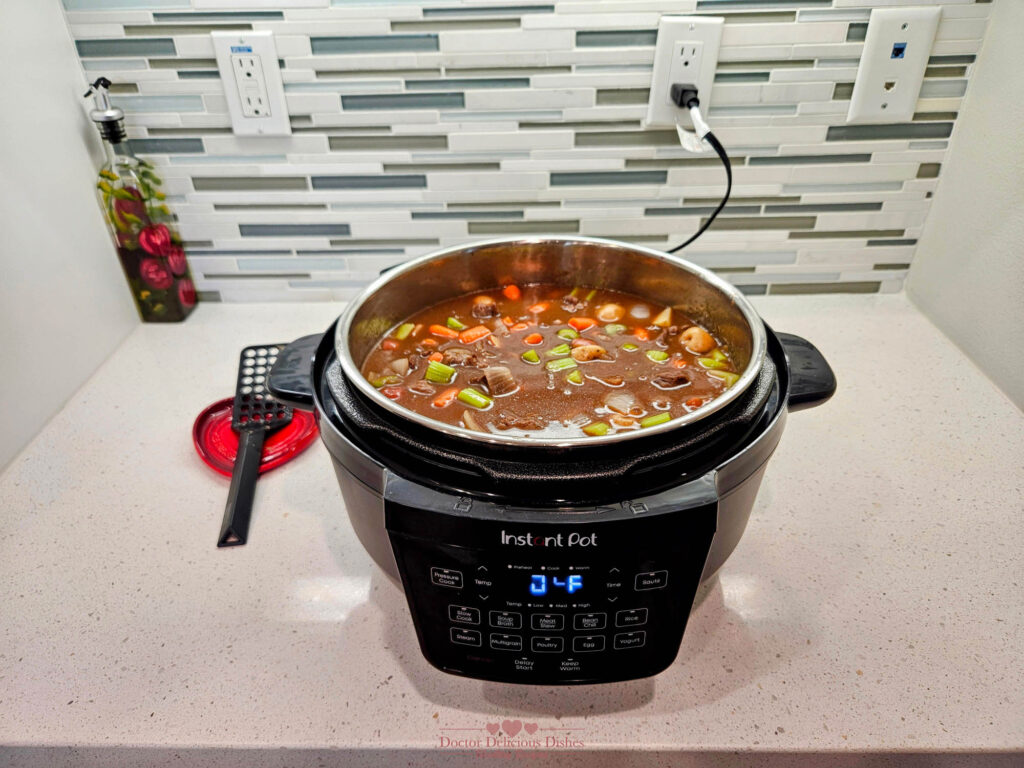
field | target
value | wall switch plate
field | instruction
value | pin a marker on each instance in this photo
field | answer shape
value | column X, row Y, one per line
column 896, row 51
column 252, row 83
column 687, row 52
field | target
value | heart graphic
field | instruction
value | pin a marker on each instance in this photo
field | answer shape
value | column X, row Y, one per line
column 492, row 728
column 530, row 728
column 511, row 727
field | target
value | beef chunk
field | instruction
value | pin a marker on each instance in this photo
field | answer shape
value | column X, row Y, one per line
column 484, row 307
column 422, row 387
column 572, row 303
column 509, row 420
column 671, row 377
column 460, row 356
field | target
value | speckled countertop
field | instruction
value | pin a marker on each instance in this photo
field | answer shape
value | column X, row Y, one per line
column 872, row 613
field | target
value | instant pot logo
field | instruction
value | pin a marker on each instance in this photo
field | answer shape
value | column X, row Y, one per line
column 574, row 539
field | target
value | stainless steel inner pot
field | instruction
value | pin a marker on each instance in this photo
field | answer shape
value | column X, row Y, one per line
column 653, row 275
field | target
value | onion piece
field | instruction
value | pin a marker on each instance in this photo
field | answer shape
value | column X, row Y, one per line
column 640, row 311
column 623, row 402
column 400, row 366
column 469, row 422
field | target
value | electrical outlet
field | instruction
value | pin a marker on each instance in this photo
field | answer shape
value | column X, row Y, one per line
column 252, row 82
column 896, row 50
column 687, row 52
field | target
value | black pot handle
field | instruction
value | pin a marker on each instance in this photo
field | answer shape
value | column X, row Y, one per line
column 291, row 378
column 811, row 380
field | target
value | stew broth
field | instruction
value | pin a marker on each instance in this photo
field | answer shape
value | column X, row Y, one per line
column 550, row 361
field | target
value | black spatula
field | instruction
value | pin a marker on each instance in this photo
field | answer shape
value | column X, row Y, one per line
column 255, row 413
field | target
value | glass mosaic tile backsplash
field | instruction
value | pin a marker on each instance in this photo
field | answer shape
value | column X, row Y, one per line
column 419, row 125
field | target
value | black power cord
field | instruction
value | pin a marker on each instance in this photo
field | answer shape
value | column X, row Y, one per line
column 685, row 96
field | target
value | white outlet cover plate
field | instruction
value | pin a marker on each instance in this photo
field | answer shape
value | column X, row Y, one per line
column 226, row 45
column 885, row 79
column 673, row 32
column 248, row 5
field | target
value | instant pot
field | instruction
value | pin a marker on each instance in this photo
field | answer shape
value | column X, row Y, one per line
column 550, row 561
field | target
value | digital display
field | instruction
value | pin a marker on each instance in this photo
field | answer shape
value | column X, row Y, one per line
column 540, row 583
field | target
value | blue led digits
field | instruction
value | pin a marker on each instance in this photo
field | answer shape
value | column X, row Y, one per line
column 539, row 583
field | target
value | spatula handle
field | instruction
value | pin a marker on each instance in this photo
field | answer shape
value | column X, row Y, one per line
column 235, row 528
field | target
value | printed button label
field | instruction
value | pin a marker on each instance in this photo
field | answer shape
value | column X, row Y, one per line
column 445, row 577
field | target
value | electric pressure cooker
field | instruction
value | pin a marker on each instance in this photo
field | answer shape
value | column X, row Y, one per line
column 550, row 561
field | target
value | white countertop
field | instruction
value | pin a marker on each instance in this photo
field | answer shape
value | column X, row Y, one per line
column 874, row 605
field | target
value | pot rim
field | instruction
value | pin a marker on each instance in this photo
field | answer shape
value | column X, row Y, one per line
column 353, row 374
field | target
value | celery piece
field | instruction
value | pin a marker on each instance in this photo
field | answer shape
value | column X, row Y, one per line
column 597, row 428
column 531, row 356
column 385, row 381
column 568, row 333
column 575, row 377
column 439, row 373
column 719, row 355
column 708, row 362
column 726, row 376
column 403, row 331
column 561, row 349
column 630, row 347
column 455, row 325
column 591, row 295
column 562, row 364
column 475, row 398
column 614, row 329
column 657, row 355
column 653, row 421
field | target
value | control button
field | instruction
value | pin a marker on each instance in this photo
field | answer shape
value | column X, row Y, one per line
column 445, row 577
column 506, row 642
column 634, row 617
column 637, row 507
column 548, row 621
column 462, row 636
column 587, row 643
column 464, row 614
column 541, row 644
column 506, row 620
column 630, row 640
column 464, row 504
column 651, row 580
column 589, row 620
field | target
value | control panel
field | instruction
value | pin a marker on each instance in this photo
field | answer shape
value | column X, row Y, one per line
column 550, row 596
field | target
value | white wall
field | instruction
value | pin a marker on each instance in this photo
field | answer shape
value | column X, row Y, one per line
column 64, row 304
column 968, row 276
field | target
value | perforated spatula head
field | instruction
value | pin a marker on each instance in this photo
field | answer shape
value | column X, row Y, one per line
column 255, row 408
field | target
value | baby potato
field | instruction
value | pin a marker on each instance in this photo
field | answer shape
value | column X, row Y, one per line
column 697, row 340
column 611, row 313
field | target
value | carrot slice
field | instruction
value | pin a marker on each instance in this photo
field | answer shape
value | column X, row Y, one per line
column 512, row 292
column 536, row 309
column 642, row 334
column 695, row 402
column 429, row 342
column 679, row 362
column 389, row 344
column 519, row 327
column 437, row 357
column 534, row 339
column 441, row 330
column 582, row 323
column 470, row 335
column 446, row 397
column 392, row 393
column 508, row 321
